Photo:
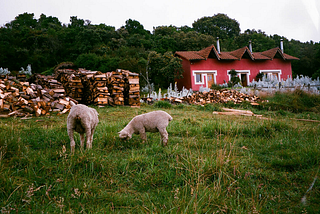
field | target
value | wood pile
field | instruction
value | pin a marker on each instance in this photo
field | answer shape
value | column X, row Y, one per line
column 100, row 90
column 46, row 81
column 120, row 87
column 23, row 99
column 213, row 96
column 116, row 83
column 132, row 89
column 47, row 94
column 220, row 96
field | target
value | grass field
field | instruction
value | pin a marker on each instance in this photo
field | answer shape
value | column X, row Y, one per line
column 212, row 164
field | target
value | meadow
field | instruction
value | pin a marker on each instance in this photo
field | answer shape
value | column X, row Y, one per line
column 212, row 164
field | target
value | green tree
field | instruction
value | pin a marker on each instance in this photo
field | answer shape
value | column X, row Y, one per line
column 25, row 20
column 164, row 69
column 134, row 27
column 75, row 22
column 219, row 25
column 46, row 23
column 164, row 30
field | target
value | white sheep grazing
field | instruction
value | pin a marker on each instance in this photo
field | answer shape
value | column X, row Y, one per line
column 155, row 121
column 83, row 120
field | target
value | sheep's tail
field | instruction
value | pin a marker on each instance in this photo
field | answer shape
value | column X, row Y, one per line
column 78, row 117
column 170, row 118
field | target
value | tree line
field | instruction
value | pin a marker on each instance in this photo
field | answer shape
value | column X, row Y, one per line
column 45, row 42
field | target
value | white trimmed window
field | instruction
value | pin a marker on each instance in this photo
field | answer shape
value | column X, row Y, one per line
column 201, row 76
column 243, row 75
column 272, row 73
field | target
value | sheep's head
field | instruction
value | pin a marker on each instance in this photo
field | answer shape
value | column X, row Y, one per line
column 124, row 135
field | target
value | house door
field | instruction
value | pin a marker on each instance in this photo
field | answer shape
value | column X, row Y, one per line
column 244, row 82
column 210, row 80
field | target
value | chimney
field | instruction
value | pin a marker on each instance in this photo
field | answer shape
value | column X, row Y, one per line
column 218, row 45
column 250, row 46
column 281, row 45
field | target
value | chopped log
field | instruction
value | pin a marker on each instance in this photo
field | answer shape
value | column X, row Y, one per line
column 57, row 106
column 133, row 81
column 28, row 109
column 238, row 111
column 64, row 102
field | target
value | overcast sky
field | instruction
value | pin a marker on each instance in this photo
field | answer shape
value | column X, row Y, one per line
column 293, row 19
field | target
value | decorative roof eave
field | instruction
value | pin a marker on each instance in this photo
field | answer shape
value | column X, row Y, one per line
column 240, row 52
column 233, row 55
column 206, row 52
column 288, row 57
column 216, row 52
column 272, row 52
column 189, row 55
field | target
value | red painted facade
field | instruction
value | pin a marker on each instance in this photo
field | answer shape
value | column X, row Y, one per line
column 210, row 64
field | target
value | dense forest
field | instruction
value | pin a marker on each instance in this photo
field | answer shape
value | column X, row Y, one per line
column 46, row 42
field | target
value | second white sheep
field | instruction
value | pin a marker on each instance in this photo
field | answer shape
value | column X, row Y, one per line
column 155, row 121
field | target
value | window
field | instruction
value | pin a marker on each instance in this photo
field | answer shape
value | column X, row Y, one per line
column 243, row 76
column 272, row 74
column 204, row 77
column 198, row 78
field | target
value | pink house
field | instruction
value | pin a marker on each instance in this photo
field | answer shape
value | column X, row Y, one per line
column 210, row 66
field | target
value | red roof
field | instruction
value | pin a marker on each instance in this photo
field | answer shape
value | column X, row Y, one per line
column 189, row 55
column 234, row 55
column 240, row 52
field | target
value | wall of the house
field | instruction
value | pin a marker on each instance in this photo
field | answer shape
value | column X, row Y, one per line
column 186, row 80
column 222, row 67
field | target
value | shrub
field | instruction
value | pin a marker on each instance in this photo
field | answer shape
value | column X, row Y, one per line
column 234, row 78
column 259, row 76
column 162, row 104
column 296, row 101
column 216, row 87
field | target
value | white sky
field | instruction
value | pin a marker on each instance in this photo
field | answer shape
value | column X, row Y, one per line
column 293, row 19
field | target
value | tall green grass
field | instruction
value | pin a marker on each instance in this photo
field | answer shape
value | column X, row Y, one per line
column 212, row 164
column 297, row 101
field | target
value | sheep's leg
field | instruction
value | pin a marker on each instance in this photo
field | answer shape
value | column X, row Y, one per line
column 164, row 136
column 82, row 139
column 88, row 134
column 91, row 137
column 143, row 135
column 72, row 143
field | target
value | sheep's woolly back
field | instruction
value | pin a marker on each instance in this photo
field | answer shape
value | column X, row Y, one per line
column 150, row 121
column 84, row 114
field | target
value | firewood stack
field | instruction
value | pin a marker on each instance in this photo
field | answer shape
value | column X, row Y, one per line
column 132, row 89
column 63, row 76
column 213, row 96
column 120, row 87
column 220, row 96
column 23, row 99
column 116, row 84
column 87, row 81
column 46, row 81
column 76, row 86
column 100, row 91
